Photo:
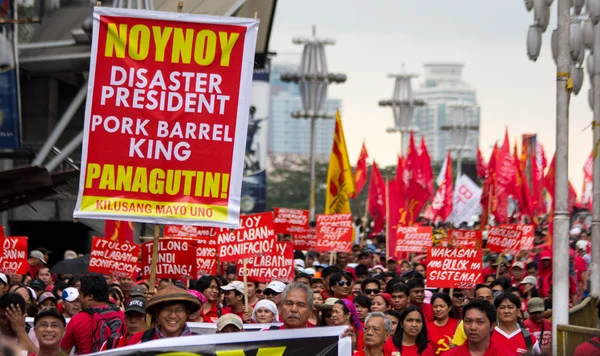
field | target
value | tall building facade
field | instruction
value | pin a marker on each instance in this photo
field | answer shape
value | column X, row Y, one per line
column 442, row 87
column 289, row 136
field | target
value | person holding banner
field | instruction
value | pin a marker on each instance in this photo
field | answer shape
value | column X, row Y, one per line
column 411, row 337
column 169, row 309
column 234, row 298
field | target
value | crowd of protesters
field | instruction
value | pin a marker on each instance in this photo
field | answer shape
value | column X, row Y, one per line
column 385, row 304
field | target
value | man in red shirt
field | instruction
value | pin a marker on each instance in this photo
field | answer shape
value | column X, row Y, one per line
column 36, row 260
column 589, row 348
column 417, row 298
column 234, row 299
column 93, row 294
column 378, row 328
column 539, row 327
column 296, row 306
column 479, row 321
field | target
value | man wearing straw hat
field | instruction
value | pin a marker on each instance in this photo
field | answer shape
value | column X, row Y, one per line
column 169, row 309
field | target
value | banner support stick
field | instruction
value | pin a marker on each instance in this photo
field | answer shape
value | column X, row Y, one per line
column 245, row 285
column 498, row 268
column 152, row 281
column 331, row 258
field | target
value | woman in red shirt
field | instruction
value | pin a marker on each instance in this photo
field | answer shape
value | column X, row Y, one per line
column 410, row 338
column 441, row 329
column 210, row 287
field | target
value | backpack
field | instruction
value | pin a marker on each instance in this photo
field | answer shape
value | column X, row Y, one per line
column 106, row 323
column 528, row 341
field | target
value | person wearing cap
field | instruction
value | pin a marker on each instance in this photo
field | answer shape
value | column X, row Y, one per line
column 12, row 321
column 135, row 322
column 503, row 265
column 580, row 265
column 392, row 264
column 229, row 323
column 273, row 292
column 265, row 312
column 3, row 284
column 234, row 299
column 516, row 272
column 49, row 326
column 169, row 309
column 36, row 260
column 138, row 291
column 38, row 287
column 47, row 300
column 70, row 302
column 538, row 326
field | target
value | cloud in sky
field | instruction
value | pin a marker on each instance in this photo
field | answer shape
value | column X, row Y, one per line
column 489, row 37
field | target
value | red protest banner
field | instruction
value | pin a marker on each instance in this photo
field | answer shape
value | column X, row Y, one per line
column 334, row 232
column 256, row 236
column 504, row 239
column 527, row 236
column 454, row 267
column 412, row 239
column 116, row 258
column 176, row 259
column 306, row 239
column 189, row 231
column 288, row 220
column 462, row 239
column 206, row 257
column 170, row 94
column 277, row 266
column 13, row 258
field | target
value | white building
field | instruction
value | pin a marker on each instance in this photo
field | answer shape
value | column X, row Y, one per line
column 289, row 136
column 443, row 86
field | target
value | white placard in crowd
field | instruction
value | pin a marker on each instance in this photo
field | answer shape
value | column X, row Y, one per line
column 467, row 196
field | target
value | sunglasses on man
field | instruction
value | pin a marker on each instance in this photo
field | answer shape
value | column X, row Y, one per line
column 270, row 293
column 372, row 291
column 346, row 283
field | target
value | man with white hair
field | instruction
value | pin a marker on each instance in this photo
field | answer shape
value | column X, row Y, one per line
column 378, row 328
column 297, row 302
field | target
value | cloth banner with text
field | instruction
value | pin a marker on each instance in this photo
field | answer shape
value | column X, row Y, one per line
column 176, row 259
column 206, row 256
column 13, row 257
column 166, row 117
column 411, row 239
column 256, row 236
column 308, row 341
column 114, row 258
column 287, row 221
column 461, row 239
column 334, row 232
column 189, row 231
column 275, row 266
column 305, row 239
column 454, row 267
column 510, row 239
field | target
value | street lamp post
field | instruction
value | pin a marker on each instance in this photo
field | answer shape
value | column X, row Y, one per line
column 403, row 105
column 461, row 123
column 313, row 78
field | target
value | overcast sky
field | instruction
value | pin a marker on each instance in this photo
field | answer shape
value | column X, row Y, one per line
column 374, row 38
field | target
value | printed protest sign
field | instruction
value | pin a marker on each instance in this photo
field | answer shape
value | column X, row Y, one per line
column 288, row 220
column 176, row 259
column 116, row 258
column 255, row 236
column 334, row 232
column 189, row 231
column 304, row 239
column 504, row 239
column 527, row 235
column 462, row 239
column 276, row 266
column 166, row 117
column 454, row 267
column 206, row 256
column 13, row 257
column 412, row 239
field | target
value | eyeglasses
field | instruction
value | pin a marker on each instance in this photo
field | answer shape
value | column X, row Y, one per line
column 169, row 311
column 458, row 295
column 44, row 326
column 259, row 291
column 269, row 293
column 372, row 291
column 342, row 283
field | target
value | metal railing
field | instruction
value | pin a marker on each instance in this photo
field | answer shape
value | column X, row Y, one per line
column 583, row 325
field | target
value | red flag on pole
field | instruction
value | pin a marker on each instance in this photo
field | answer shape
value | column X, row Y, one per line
column 118, row 230
column 524, row 195
column 360, row 173
column 480, row 165
column 377, row 199
column 488, row 188
column 505, row 182
column 442, row 202
column 416, row 193
column 426, row 167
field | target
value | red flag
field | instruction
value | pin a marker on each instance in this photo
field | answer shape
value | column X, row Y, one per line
column 480, row 165
column 416, row 188
column 550, row 185
column 360, row 173
column 588, row 173
column 118, row 230
column 396, row 215
column 377, row 199
column 525, row 203
column 505, row 182
column 426, row 167
column 488, row 187
column 442, row 202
